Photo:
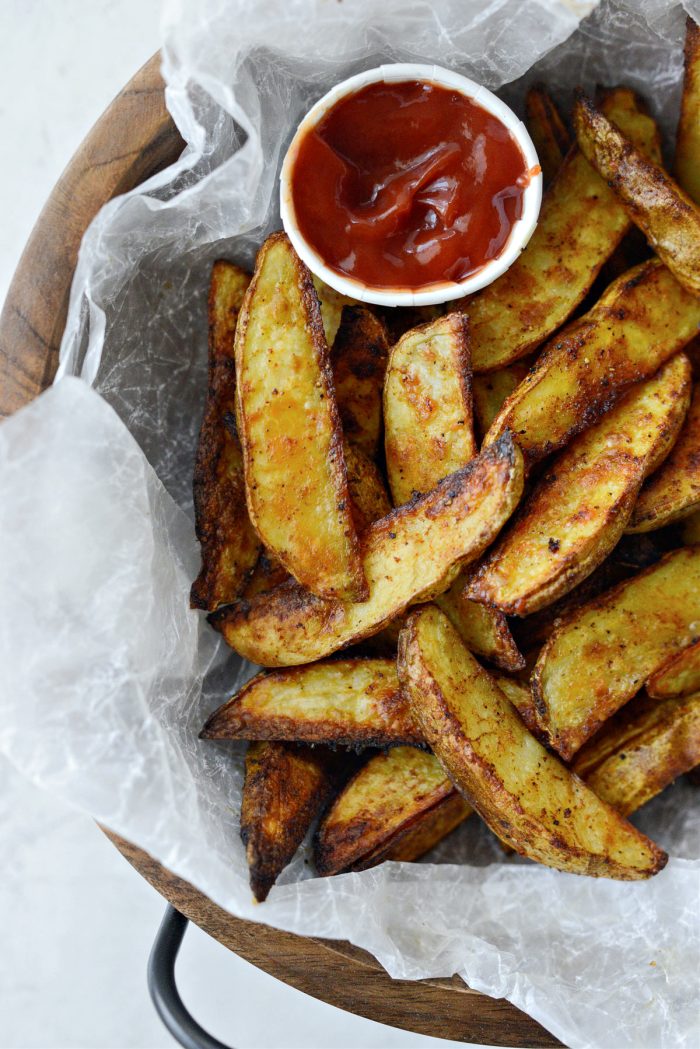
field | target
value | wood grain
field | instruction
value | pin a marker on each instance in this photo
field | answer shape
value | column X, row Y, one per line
column 132, row 140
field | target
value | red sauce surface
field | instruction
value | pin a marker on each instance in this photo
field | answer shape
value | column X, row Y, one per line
column 408, row 184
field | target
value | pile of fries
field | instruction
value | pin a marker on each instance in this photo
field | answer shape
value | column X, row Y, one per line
column 492, row 512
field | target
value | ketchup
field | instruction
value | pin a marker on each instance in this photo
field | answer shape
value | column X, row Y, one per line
column 407, row 184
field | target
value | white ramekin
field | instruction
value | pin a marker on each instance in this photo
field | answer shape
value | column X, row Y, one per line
column 442, row 291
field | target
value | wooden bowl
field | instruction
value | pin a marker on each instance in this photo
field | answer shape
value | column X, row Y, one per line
column 133, row 139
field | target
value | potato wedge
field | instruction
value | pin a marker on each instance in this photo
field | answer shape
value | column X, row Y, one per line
column 483, row 630
column 428, row 423
column 579, row 509
column 630, row 761
column 296, row 481
column 579, row 227
column 679, row 676
column 547, row 130
column 666, row 215
column 673, row 492
column 359, row 358
column 352, row 702
column 491, row 390
column 642, row 319
column 604, row 652
column 332, row 304
column 408, row 555
column 229, row 544
column 688, row 137
column 286, row 787
column 520, row 697
column 391, row 796
column 525, row 794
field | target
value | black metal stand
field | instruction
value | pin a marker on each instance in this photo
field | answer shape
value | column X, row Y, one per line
column 163, row 989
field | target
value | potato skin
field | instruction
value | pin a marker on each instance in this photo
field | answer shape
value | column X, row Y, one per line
column 665, row 214
column 688, row 137
column 577, row 512
column 229, row 544
column 413, row 552
column 290, row 430
column 601, row 655
column 359, row 358
column 525, row 794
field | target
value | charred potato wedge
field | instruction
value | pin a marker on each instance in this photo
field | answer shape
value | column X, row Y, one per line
column 579, row 227
column 679, row 677
column 547, row 130
column 352, row 702
column 295, row 474
column 630, row 762
column 642, row 319
column 688, row 137
column 412, row 553
column 674, row 490
column 604, row 652
column 229, row 544
column 579, row 509
column 285, row 788
column 359, row 358
column 666, row 215
column 428, row 422
column 389, row 799
column 528, row 798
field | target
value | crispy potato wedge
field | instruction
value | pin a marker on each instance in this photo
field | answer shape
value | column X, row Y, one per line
column 411, row 553
column 579, row 509
column 666, row 215
column 426, row 832
column 295, row 474
column 579, row 227
column 491, row 390
column 286, row 786
column 631, row 760
column 642, row 319
column 549, row 135
column 390, row 796
column 674, row 490
column 525, row 794
column 359, row 358
column 428, row 423
column 332, row 304
column 229, row 544
column 679, row 676
column 688, row 137
column 604, row 652
column 483, row 630
column 352, row 702
column 267, row 574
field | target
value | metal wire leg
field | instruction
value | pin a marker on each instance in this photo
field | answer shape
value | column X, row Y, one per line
column 163, row 989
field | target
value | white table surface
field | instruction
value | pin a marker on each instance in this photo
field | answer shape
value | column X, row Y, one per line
column 77, row 922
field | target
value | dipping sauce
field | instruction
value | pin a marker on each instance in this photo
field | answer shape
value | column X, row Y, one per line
column 408, row 184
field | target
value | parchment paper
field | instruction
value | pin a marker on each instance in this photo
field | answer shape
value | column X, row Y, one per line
column 106, row 674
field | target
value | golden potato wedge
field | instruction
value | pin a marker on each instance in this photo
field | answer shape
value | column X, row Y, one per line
column 666, row 215
column 642, row 319
column 679, row 676
column 359, row 358
column 630, row 761
column 426, row 832
column 353, row 702
column 528, row 798
column 579, row 227
column 229, row 544
column 673, row 492
column 428, row 423
column 409, row 554
column 491, row 390
column 547, row 130
column 604, row 652
column 579, row 509
column 332, row 304
column 286, row 786
column 483, row 630
column 295, row 474
column 389, row 797
column 688, row 137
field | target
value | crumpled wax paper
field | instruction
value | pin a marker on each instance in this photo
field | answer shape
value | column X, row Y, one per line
column 106, row 674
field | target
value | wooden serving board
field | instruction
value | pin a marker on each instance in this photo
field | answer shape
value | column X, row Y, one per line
column 133, row 139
